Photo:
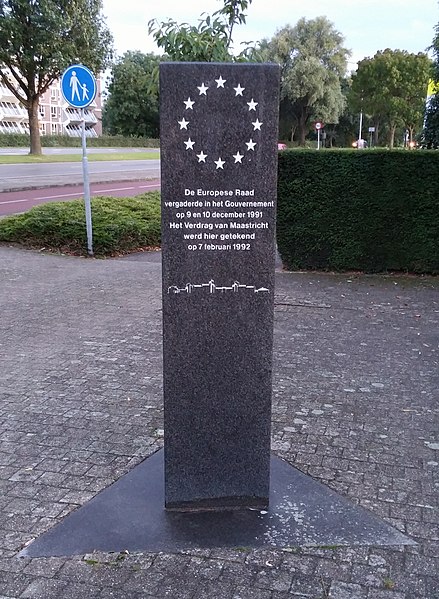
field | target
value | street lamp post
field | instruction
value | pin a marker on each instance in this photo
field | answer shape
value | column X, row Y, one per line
column 361, row 121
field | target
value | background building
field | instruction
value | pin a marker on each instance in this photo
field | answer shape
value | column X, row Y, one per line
column 56, row 117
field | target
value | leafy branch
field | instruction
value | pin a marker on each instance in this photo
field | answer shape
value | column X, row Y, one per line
column 209, row 41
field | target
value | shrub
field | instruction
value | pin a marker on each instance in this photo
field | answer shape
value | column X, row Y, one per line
column 119, row 225
column 16, row 140
column 366, row 210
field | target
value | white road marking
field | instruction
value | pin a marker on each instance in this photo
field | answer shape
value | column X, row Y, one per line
column 14, row 201
column 68, row 195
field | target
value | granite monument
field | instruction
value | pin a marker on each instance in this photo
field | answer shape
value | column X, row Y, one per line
column 218, row 167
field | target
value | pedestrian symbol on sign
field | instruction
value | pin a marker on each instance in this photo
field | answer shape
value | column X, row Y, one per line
column 78, row 86
column 74, row 84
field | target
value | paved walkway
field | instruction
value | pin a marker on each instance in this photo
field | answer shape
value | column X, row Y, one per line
column 355, row 405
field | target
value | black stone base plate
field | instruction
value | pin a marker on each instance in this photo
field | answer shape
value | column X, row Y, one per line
column 129, row 515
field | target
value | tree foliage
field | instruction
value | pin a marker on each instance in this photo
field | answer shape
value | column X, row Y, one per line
column 313, row 62
column 132, row 108
column 209, row 41
column 40, row 38
column 430, row 134
column 391, row 89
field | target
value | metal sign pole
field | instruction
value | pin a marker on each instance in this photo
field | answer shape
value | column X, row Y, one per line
column 79, row 88
column 87, row 201
column 318, row 139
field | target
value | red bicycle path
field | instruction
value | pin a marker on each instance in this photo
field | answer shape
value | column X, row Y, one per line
column 13, row 202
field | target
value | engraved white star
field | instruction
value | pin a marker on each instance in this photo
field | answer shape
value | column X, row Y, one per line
column 220, row 82
column 257, row 124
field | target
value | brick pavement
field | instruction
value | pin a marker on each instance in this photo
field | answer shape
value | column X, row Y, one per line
column 354, row 405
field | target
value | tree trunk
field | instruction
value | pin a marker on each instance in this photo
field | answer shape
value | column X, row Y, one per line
column 293, row 131
column 376, row 134
column 301, row 125
column 34, row 127
column 392, row 136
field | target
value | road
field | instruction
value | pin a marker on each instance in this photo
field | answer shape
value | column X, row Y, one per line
column 20, row 201
column 49, row 151
column 23, row 176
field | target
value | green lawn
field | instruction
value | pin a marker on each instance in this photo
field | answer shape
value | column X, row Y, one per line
column 115, row 156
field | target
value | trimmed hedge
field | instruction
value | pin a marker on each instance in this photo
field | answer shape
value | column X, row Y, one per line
column 366, row 210
column 12, row 140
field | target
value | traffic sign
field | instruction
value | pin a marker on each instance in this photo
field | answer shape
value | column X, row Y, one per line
column 318, row 126
column 371, row 129
column 78, row 86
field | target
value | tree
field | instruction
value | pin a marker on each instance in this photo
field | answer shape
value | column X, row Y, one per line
column 39, row 39
column 132, row 107
column 210, row 41
column 430, row 134
column 344, row 132
column 313, row 62
column 416, row 68
column 391, row 88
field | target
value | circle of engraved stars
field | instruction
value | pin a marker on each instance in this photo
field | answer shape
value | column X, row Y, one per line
column 189, row 143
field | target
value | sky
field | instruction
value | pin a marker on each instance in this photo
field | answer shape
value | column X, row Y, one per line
column 366, row 25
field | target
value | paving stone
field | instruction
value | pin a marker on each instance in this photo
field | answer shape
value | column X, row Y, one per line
column 99, row 574
column 264, row 557
column 309, row 586
column 46, row 567
column 334, row 570
column 251, row 593
column 229, row 555
column 274, row 579
column 298, row 564
column 67, row 429
column 12, row 583
column 387, row 594
column 203, row 568
column 213, row 590
column 177, row 565
column 343, row 590
column 44, row 588
column 145, row 582
column 243, row 575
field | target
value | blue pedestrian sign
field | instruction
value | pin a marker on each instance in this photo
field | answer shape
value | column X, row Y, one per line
column 78, row 86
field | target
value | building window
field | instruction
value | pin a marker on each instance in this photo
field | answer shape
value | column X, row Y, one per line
column 54, row 128
column 42, row 111
column 53, row 112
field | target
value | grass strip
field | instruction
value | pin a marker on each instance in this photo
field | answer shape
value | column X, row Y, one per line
column 113, row 156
